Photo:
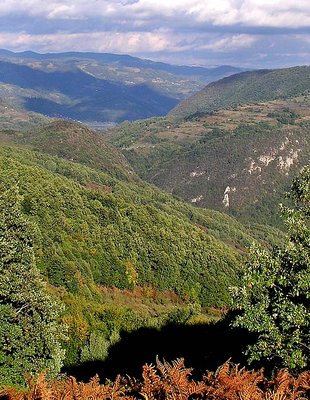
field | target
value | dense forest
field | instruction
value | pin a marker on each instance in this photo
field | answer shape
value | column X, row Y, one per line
column 102, row 272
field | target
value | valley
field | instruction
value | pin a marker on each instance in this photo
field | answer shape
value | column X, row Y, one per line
column 98, row 88
column 143, row 233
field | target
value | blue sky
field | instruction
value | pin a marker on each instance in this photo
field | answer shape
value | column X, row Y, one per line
column 249, row 33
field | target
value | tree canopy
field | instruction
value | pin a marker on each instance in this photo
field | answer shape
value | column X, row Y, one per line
column 274, row 294
column 30, row 335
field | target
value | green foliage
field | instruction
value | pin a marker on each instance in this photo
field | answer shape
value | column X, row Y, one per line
column 133, row 236
column 129, row 237
column 246, row 87
column 100, row 231
column 97, row 347
column 274, row 292
column 30, row 335
column 284, row 117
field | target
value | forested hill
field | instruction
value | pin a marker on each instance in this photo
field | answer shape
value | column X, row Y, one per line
column 246, row 87
column 120, row 253
column 95, row 232
column 75, row 142
column 239, row 160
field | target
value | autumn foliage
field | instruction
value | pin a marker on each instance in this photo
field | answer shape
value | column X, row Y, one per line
column 171, row 381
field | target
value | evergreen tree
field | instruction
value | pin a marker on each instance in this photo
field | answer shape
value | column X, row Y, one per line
column 30, row 335
column 274, row 295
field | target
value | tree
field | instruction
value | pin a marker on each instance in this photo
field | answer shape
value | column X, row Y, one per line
column 30, row 334
column 274, row 294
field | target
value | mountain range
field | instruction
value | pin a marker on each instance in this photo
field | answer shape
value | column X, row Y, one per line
column 98, row 87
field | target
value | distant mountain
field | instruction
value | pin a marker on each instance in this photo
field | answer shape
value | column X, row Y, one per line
column 98, row 87
column 127, row 61
column 78, row 95
column 234, row 150
column 246, row 87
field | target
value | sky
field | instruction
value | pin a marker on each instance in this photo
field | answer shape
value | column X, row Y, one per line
column 248, row 33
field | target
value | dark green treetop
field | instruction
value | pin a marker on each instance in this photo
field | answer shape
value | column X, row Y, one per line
column 30, row 335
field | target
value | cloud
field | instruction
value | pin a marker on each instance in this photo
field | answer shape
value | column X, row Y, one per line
column 132, row 42
column 250, row 13
column 200, row 31
column 230, row 43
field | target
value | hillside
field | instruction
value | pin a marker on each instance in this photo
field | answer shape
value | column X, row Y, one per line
column 16, row 118
column 239, row 160
column 69, row 140
column 80, row 145
column 118, row 252
column 246, row 87
column 75, row 142
column 158, row 256
column 97, row 226
column 98, row 87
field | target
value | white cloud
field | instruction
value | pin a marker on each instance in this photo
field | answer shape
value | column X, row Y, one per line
column 251, row 13
column 120, row 42
column 186, row 31
column 229, row 43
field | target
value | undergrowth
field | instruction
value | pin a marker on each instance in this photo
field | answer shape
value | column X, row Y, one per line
column 170, row 381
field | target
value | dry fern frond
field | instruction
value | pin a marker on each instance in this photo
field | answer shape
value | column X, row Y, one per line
column 285, row 386
column 176, row 380
column 302, row 385
column 152, row 386
column 37, row 390
column 230, row 382
column 170, row 381
column 10, row 393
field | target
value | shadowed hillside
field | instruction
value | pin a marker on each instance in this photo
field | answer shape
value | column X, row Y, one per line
column 77, row 95
column 97, row 87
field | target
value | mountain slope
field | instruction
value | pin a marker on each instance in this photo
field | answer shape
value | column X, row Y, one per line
column 115, row 237
column 15, row 118
column 76, row 142
column 239, row 160
column 246, row 87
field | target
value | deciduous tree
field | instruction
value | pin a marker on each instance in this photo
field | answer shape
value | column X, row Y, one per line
column 274, row 294
column 30, row 334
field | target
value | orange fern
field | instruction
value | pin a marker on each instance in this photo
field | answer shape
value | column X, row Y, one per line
column 170, row 381
column 285, row 386
column 231, row 383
